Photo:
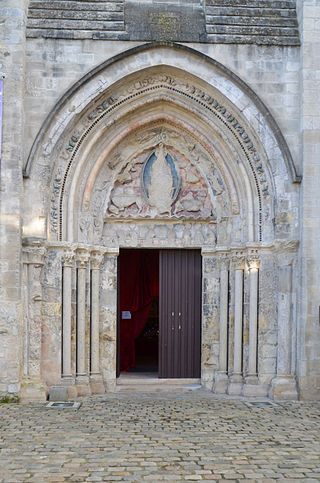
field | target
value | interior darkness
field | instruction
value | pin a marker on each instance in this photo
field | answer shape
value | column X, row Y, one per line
column 139, row 310
column 147, row 344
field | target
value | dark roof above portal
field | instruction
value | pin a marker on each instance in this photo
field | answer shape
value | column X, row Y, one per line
column 263, row 22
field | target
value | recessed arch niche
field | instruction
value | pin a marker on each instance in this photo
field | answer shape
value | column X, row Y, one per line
column 223, row 170
column 201, row 119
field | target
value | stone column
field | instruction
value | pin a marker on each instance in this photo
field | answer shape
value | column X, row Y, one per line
column 251, row 387
column 253, row 264
column 33, row 260
column 108, row 304
column 66, row 317
column 82, row 378
column 96, row 382
column 210, row 317
column 221, row 379
column 235, row 385
column 283, row 386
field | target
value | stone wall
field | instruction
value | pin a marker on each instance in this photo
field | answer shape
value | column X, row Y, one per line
column 264, row 22
column 12, row 62
column 309, row 320
column 258, row 42
column 53, row 66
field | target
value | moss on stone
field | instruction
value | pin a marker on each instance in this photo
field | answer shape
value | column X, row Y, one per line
column 9, row 399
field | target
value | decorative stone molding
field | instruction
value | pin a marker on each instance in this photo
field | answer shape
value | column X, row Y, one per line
column 68, row 258
column 238, row 260
column 224, row 262
column 33, row 254
column 33, row 257
column 253, row 262
column 82, row 257
column 221, row 376
column 96, row 258
column 170, row 85
column 96, row 383
column 208, row 251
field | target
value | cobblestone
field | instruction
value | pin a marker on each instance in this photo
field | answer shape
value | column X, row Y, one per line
column 160, row 437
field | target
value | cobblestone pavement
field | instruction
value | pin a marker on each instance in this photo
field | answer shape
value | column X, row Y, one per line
column 158, row 437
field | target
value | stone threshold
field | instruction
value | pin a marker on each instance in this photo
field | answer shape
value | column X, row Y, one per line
column 149, row 382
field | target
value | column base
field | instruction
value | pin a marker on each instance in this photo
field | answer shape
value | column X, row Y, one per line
column 256, row 390
column 284, row 388
column 32, row 389
column 83, row 389
column 235, row 385
column 220, row 384
column 69, row 383
column 96, row 384
column 83, row 385
column 252, row 387
column 252, row 379
column 110, row 385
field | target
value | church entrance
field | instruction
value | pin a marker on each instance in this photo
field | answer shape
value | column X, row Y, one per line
column 159, row 316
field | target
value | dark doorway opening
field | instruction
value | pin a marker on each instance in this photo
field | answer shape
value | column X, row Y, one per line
column 138, row 315
column 159, row 312
column 147, row 344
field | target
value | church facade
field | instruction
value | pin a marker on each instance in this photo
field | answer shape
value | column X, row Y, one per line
column 187, row 130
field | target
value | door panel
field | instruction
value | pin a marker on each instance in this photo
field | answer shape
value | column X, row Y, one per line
column 180, row 313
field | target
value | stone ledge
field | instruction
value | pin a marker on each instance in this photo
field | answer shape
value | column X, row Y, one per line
column 61, row 14
column 258, row 40
column 265, row 21
column 244, row 11
column 76, row 34
column 75, row 24
column 94, row 5
column 252, row 30
column 253, row 3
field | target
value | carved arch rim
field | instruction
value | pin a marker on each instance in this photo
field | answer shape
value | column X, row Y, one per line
column 260, row 105
column 148, row 121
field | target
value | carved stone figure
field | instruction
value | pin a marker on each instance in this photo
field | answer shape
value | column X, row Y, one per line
column 160, row 189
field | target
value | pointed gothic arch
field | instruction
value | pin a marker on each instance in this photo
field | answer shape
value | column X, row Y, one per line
column 231, row 160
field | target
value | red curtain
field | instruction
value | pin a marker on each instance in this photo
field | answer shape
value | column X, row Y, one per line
column 139, row 284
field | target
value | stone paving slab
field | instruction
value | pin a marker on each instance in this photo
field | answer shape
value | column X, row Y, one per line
column 192, row 436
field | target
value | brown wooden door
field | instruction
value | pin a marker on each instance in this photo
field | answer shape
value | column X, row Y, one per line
column 180, row 313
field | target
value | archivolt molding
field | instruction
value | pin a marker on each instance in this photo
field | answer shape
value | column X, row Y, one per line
column 147, row 86
column 192, row 146
column 107, row 107
column 121, row 61
column 125, row 164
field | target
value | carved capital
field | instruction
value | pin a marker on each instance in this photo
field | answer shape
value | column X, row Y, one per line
column 253, row 259
column 96, row 258
column 224, row 263
column 67, row 258
column 253, row 262
column 33, row 255
column 82, row 257
column 112, row 252
column 238, row 261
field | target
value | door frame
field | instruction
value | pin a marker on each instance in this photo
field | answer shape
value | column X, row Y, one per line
column 118, row 315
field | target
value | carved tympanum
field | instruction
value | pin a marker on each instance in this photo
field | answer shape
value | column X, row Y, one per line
column 164, row 183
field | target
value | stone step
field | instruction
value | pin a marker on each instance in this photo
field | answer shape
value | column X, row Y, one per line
column 153, row 384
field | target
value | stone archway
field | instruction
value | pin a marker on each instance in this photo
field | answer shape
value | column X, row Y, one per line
column 222, row 173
